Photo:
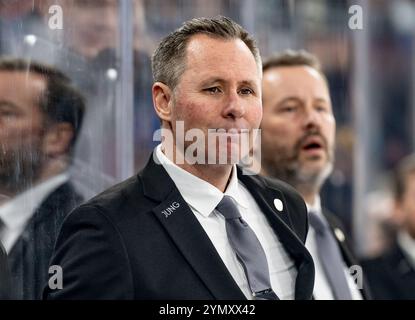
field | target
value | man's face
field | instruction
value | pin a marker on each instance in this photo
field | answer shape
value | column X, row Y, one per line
column 92, row 25
column 21, row 128
column 219, row 89
column 298, row 126
column 407, row 204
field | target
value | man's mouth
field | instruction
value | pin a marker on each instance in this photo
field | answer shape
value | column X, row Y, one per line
column 313, row 145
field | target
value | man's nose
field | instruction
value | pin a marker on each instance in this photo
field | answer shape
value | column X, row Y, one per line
column 234, row 106
column 311, row 118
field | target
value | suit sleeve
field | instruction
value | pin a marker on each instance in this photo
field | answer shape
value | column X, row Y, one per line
column 92, row 257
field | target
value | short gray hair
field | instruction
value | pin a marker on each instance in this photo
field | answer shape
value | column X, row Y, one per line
column 293, row 58
column 168, row 61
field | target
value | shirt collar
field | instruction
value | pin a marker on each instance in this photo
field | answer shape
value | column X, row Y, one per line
column 316, row 207
column 198, row 193
column 19, row 210
column 317, row 210
column 234, row 190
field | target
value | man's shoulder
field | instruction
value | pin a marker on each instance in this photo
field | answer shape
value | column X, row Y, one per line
column 271, row 189
column 390, row 274
column 374, row 264
column 57, row 204
column 383, row 269
column 63, row 195
column 118, row 195
column 289, row 192
column 389, row 259
column 107, row 210
column 281, row 185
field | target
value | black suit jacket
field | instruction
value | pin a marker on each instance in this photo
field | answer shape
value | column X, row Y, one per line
column 391, row 276
column 4, row 275
column 120, row 245
column 345, row 248
column 30, row 256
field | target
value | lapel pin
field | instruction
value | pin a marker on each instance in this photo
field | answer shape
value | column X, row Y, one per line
column 339, row 234
column 278, row 205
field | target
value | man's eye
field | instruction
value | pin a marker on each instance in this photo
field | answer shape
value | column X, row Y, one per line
column 7, row 114
column 213, row 90
column 288, row 109
column 321, row 108
column 246, row 91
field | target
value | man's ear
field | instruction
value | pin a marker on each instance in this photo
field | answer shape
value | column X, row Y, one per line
column 57, row 139
column 162, row 101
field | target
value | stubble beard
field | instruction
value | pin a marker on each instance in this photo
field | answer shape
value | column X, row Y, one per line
column 20, row 168
column 286, row 165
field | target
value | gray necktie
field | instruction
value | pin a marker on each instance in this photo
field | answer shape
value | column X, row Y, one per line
column 248, row 250
column 330, row 257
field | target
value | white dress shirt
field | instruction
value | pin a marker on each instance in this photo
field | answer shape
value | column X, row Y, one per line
column 322, row 290
column 407, row 244
column 17, row 212
column 202, row 197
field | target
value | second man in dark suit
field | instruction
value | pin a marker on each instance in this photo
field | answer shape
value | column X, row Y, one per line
column 391, row 275
column 298, row 138
column 40, row 117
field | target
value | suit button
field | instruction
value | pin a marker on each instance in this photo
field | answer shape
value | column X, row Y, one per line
column 339, row 234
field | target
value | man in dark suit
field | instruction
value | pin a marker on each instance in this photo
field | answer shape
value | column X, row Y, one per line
column 185, row 229
column 40, row 117
column 298, row 137
column 4, row 275
column 392, row 275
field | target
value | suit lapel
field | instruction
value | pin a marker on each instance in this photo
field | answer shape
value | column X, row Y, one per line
column 190, row 238
column 281, row 223
column 347, row 254
column 339, row 234
column 186, row 232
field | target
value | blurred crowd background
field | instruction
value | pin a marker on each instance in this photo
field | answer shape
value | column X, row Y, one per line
column 105, row 47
